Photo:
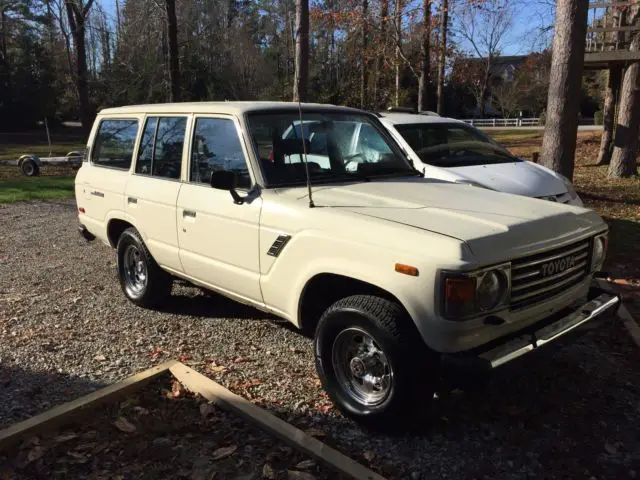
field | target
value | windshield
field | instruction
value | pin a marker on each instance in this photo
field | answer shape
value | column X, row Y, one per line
column 339, row 146
column 453, row 145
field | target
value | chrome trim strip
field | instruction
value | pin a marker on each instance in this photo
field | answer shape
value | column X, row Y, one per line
column 525, row 275
column 594, row 313
column 522, row 286
column 517, row 266
column 579, row 317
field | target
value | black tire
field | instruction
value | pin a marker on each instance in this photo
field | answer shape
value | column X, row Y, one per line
column 29, row 168
column 150, row 291
column 412, row 365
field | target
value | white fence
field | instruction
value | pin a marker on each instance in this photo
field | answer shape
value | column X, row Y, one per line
column 503, row 122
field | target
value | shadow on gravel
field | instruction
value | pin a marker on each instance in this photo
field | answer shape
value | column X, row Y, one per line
column 25, row 393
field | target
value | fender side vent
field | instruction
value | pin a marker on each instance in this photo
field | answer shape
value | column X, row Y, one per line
column 278, row 245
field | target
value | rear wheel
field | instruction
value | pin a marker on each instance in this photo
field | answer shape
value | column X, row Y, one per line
column 141, row 279
column 373, row 363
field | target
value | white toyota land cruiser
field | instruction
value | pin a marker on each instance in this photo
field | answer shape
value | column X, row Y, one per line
column 394, row 274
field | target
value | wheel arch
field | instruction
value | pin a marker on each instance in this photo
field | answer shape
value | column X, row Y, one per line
column 324, row 289
column 115, row 227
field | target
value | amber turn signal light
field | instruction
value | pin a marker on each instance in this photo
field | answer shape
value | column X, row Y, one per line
column 406, row 269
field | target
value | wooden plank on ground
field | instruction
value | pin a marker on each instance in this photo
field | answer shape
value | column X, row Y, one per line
column 291, row 435
column 68, row 411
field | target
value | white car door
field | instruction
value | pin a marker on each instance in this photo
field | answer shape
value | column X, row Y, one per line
column 152, row 191
column 219, row 238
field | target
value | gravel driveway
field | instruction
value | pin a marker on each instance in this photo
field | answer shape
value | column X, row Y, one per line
column 66, row 330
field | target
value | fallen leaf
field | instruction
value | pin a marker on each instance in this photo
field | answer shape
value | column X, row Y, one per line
column 267, row 472
column 306, row 464
column 610, row 449
column 224, row 452
column 177, row 389
column 35, row 453
column 369, row 455
column 78, row 457
column 296, row 475
column 184, row 358
column 239, row 360
column 141, row 410
column 100, row 358
column 316, row 432
column 124, row 425
column 217, row 368
column 65, row 438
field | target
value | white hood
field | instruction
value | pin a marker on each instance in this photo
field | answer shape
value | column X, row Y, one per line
column 520, row 178
column 494, row 225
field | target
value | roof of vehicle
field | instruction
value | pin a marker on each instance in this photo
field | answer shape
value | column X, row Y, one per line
column 233, row 108
column 407, row 118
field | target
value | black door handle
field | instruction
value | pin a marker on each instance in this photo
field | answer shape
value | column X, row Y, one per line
column 189, row 213
column 97, row 194
column 132, row 200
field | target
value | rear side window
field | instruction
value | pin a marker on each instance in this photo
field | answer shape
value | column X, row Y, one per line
column 113, row 146
column 160, row 153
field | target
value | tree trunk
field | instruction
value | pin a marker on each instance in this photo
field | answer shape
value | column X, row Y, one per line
column 425, row 63
column 563, row 102
column 444, row 24
column 118, row 24
column 363, row 71
column 77, row 16
column 398, row 27
column 609, row 114
column 384, row 13
column 301, row 76
column 174, row 61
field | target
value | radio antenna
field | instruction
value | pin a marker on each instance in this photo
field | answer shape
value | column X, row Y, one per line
column 304, row 150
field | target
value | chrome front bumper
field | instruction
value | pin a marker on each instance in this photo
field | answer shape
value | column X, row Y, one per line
column 545, row 332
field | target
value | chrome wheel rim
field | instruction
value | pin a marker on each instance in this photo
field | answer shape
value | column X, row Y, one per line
column 135, row 271
column 28, row 168
column 361, row 367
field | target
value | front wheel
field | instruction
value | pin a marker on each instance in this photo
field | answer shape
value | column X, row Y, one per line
column 373, row 363
column 141, row 279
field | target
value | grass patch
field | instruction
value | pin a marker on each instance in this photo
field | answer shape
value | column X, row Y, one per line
column 35, row 188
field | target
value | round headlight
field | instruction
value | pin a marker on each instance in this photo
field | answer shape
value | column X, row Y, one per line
column 491, row 290
column 599, row 251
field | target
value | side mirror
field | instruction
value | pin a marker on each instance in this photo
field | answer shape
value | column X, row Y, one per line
column 226, row 180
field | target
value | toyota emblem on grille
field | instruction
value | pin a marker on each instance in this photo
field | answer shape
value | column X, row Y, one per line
column 559, row 265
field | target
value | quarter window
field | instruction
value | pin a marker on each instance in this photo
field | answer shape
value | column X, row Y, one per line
column 160, row 153
column 216, row 146
column 113, row 146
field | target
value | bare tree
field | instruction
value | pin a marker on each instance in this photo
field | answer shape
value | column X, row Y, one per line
column 363, row 67
column 380, row 56
column 77, row 13
column 485, row 26
column 425, row 63
column 563, row 103
column 507, row 97
column 625, row 144
column 174, row 61
column 301, row 76
column 398, row 30
column 444, row 25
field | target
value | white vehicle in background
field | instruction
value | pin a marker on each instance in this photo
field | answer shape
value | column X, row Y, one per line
column 449, row 149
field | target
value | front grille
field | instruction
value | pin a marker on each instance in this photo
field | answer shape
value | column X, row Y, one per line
column 544, row 275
